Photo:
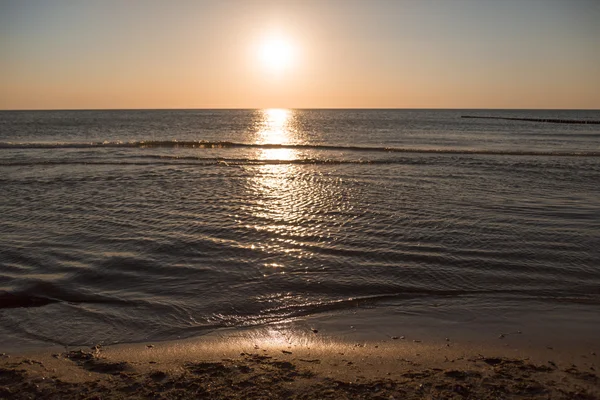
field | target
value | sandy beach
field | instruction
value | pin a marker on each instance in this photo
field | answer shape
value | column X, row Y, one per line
column 269, row 363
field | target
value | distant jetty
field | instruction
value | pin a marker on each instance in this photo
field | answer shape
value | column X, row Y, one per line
column 550, row 120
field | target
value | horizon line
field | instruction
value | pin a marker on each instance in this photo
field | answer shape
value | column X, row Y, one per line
column 295, row 108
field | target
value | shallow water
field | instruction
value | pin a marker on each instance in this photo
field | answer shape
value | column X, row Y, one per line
column 148, row 225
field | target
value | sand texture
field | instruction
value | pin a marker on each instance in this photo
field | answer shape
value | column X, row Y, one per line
column 410, row 371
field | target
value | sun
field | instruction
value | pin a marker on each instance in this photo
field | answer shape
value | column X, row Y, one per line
column 277, row 54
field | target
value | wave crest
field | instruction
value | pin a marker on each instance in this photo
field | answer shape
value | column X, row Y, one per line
column 232, row 145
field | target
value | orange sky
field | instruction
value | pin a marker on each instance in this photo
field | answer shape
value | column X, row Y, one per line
column 346, row 54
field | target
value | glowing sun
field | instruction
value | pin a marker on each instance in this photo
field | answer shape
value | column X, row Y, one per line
column 277, row 54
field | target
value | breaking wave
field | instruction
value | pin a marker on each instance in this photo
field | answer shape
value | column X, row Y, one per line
column 234, row 145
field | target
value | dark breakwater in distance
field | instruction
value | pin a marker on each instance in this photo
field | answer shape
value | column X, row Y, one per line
column 127, row 226
column 549, row 120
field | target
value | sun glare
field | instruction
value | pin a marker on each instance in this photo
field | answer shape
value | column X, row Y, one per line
column 275, row 127
column 277, row 54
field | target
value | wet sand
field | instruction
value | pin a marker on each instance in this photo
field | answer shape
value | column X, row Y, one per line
column 281, row 363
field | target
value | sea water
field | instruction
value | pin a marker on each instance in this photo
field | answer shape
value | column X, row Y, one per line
column 123, row 226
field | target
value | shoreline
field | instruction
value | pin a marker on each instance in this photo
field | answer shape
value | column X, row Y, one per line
column 291, row 361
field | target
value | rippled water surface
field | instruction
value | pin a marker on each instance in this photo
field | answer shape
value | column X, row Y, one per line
column 135, row 225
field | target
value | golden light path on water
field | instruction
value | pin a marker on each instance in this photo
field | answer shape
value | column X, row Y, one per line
column 279, row 192
column 276, row 127
column 294, row 209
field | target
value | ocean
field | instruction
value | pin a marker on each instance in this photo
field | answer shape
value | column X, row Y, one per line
column 148, row 225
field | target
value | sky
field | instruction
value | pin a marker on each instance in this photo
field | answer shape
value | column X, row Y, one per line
column 113, row 54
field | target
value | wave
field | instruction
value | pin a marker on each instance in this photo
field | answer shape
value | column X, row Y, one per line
column 220, row 162
column 22, row 300
column 42, row 293
column 206, row 162
column 430, row 296
column 234, row 145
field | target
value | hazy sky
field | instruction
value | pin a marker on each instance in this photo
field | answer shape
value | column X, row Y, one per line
column 70, row 54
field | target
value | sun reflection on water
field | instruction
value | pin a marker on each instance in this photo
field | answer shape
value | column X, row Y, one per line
column 291, row 209
column 276, row 126
column 293, row 205
column 278, row 191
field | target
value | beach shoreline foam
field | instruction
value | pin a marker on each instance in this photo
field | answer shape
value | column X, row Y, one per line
column 288, row 361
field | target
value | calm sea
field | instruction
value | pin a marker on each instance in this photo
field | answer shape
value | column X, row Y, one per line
column 122, row 226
